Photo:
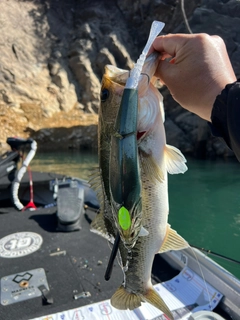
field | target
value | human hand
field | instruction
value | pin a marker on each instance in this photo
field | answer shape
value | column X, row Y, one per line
column 199, row 69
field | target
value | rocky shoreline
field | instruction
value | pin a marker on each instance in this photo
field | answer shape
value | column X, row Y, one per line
column 53, row 54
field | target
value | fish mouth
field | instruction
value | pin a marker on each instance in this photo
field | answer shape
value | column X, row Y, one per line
column 120, row 76
column 116, row 74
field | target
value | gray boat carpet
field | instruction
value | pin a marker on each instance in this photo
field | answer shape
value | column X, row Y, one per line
column 73, row 262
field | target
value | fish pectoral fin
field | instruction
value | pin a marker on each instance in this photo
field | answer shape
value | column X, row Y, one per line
column 98, row 226
column 123, row 300
column 143, row 232
column 175, row 160
column 150, row 167
column 153, row 298
column 173, row 241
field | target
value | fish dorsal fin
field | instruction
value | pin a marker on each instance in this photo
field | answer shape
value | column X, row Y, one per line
column 173, row 241
column 174, row 160
column 98, row 226
column 150, row 167
column 95, row 179
column 96, row 184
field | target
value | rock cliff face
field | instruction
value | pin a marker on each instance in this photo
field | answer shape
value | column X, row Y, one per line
column 53, row 54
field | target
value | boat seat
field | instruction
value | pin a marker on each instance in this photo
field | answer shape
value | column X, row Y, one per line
column 70, row 206
column 8, row 164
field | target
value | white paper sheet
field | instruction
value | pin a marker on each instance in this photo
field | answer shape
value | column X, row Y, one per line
column 184, row 294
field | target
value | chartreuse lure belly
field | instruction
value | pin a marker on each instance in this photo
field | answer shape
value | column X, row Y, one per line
column 124, row 218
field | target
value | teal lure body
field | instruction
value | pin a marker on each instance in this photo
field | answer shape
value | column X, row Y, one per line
column 124, row 170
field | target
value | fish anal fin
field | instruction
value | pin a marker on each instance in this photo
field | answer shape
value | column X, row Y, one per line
column 123, row 300
column 174, row 160
column 173, row 241
column 150, row 167
column 154, row 299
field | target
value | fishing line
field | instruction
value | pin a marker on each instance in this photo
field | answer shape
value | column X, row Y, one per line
column 201, row 272
column 185, row 17
column 216, row 254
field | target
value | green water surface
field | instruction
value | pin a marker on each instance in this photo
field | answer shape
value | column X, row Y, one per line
column 205, row 207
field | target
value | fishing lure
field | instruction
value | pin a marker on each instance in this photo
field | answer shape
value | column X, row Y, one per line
column 124, row 168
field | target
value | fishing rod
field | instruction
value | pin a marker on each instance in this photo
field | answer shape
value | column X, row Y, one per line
column 112, row 257
column 216, row 254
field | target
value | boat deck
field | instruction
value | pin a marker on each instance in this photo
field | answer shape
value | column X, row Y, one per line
column 74, row 262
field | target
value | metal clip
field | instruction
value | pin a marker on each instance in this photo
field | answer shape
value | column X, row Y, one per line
column 84, row 294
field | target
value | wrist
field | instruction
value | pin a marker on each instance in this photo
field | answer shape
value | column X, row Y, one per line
column 217, row 96
column 219, row 114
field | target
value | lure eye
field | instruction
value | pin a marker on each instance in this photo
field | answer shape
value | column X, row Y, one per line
column 104, row 95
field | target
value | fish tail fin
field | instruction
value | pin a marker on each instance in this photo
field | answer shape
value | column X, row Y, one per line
column 175, row 160
column 154, row 299
column 123, row 300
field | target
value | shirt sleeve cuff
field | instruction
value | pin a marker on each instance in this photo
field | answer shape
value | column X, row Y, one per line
column 225, row 117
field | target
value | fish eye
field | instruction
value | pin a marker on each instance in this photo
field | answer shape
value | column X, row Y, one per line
column 104, row 95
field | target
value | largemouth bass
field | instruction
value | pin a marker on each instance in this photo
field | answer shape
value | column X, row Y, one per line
column 156, row 160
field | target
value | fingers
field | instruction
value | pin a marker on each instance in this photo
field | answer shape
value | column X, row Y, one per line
column 171, row 43
column 218, row 40
column 197, row 71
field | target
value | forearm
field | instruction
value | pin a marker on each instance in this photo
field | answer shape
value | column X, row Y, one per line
column 225, row 117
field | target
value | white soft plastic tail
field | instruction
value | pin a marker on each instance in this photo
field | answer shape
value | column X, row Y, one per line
column 132, row 81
